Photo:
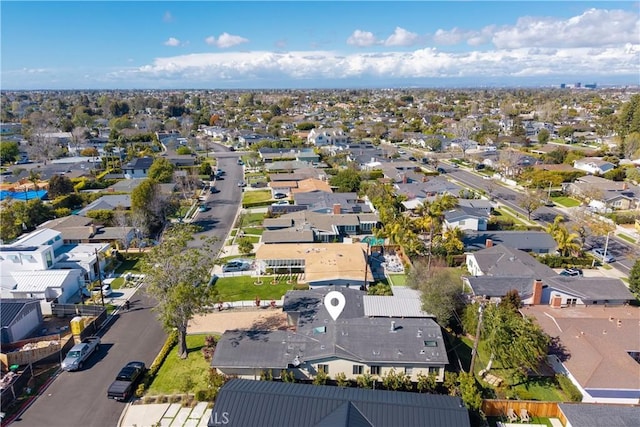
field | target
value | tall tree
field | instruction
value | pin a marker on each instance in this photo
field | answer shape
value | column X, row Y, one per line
column 9, row 151
column 177, row 277
column 516, row 342
column 441, row 290
column 161, row 170
column 530, row 201
column 59, row 185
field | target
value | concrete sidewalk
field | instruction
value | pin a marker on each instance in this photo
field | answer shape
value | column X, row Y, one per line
column 165, row 414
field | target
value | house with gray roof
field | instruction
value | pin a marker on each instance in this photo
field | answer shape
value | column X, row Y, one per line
column 323, row 202
column 352, row 343
column 297, row 405
column 504, row 261
column 432, row 187
column 597, row 415
column 109, row 202
column 325, row 227
column 603, row 194
column 539, row 242
column 19, row 318
column 466, row 218
column 137, row 168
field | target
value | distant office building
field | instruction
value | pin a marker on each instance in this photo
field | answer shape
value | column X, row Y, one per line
column 563, row 85
column 591, row 86
column 578, row 85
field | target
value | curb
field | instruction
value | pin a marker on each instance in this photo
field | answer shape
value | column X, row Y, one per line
column 123, row 414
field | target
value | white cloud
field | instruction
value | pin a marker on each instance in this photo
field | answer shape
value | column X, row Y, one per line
column 167, row 17
column 361, row 38
column 401, row 37
column 172, row 41
column 225, row 40
column 595, row 27
column 421, row 63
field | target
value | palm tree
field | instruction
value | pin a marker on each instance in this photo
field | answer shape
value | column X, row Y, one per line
column 435, row 210
column 567, row 241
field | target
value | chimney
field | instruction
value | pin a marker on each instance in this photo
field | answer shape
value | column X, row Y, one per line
column 424, row 179
column 337, row 209
column 625, row 186
column 537, row 292
column 93, row 229
column 556, row 301
column 488, row 243
column 404, row 179
column 393, row 326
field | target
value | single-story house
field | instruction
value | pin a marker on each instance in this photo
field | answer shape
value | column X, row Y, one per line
column 538, row 242
column 466, row 218
column 504, row 261
column 593, row 165
column 600, row 350
column 19, row 318
column 350, row 343
column 321, row 264
column 597, row 415
column 137, row 168
column 295, row 405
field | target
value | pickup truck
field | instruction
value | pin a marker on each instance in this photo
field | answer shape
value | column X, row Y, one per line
column 79, row 353
column 128, row 377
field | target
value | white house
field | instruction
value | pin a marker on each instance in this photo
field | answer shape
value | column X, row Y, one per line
column 467, row 218
column 328, row 136
column 137, row 168
column 593, row 165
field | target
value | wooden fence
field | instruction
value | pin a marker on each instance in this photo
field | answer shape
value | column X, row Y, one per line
column 498, row 408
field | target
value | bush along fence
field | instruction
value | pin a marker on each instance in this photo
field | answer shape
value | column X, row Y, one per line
column 171, row 342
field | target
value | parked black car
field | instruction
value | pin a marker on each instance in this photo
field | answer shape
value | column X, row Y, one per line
column 128, row 377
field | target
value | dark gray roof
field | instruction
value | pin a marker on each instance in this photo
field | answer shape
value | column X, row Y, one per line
column 592, row 288
column 434, row 185
column 523, row 240
column 302, row 405
column 598, row 415
column 109, row 202
column 264, row 349
column 491, row 286
column 139, row 163
column 287, row 236
column 504, row 261
column 320, row 201
column 10, row 308
column 465, row 212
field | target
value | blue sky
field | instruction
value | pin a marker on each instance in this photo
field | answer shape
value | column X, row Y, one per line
column 296, row 44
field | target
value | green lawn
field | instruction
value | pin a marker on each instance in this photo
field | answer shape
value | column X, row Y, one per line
column 398, row 279
column 627, row 238
column 244, row 288
column 508, row 213
column 257, row 231
column 252, row 239
column 252, row 219
column 565, row 201
column 256, row 196
column 129, row 264
column 182, row 375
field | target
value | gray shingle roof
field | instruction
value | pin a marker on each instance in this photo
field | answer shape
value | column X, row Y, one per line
column 593, row 288
column 491, row 286
column 267, row 403
column 523, row 240
column 504, row 261
column 10, row 308
column 597, row 415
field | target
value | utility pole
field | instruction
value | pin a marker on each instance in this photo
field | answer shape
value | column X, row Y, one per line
column 474, row 351
column 99, row 275
column 606, row 246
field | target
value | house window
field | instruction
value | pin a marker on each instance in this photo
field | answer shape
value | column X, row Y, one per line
column 572, row 302
column 323, row 368
column 408, row 370
column 462, row 222
column 357, row 369
column 48, row 258
column 433, row 370
column 431, row 343
column 375, row 370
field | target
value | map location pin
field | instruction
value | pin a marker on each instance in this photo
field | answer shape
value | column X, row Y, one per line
column 335, row 302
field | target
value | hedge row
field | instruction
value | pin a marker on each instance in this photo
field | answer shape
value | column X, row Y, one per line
column 624, row 217
column 569, row 388
column 171, row 342
column 555, row 261
column 257, row 204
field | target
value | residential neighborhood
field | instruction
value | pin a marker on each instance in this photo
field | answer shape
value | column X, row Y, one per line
column 483, row 254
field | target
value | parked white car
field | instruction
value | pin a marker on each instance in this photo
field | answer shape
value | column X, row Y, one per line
column 599, row 254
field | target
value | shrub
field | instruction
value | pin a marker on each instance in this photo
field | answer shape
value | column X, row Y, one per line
column 569, row 388
column 556, row 261
column 171, row 342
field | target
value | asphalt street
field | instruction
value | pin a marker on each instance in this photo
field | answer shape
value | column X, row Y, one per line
column 625, row 254
column 79, row 399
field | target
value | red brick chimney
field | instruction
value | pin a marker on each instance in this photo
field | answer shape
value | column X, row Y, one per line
column 337, row 209
column 537, row 292
column 625, row 186
column 404, row 179
column 488, row 243
column 556, row 301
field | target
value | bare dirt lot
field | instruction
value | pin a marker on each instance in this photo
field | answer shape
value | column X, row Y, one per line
column 219, row 322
